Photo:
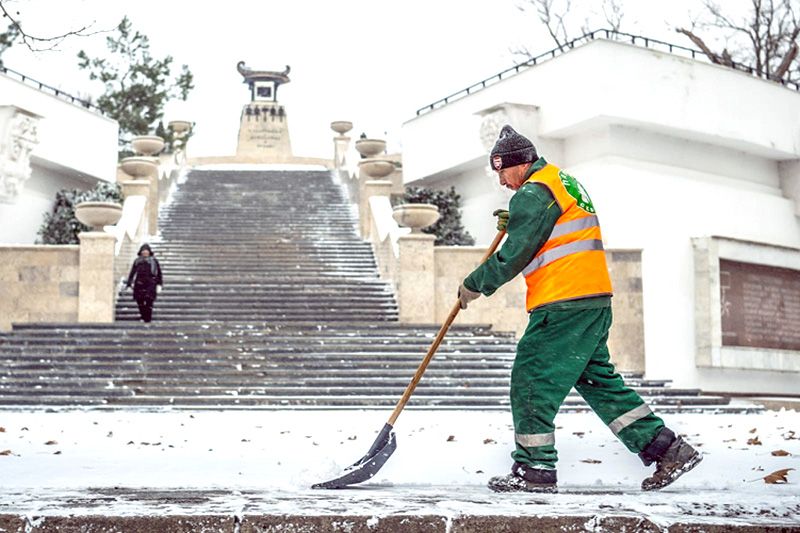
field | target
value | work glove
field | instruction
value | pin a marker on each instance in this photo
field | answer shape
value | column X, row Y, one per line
column 502, row 219
column 465, row 296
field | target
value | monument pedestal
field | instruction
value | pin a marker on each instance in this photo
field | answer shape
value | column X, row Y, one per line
column 264, row 132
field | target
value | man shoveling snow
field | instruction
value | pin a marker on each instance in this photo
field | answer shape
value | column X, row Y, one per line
column 554, row 239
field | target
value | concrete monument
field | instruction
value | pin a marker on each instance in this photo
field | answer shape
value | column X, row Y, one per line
column 264, row 125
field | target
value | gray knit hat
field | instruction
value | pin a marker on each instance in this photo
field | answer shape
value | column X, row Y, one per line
column 511, row 149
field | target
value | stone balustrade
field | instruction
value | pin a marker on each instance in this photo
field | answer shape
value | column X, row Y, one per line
column 79, row 283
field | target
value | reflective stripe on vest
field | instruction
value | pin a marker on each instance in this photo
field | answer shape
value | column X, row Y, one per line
column 572, row 226
column 571, row 264
column 561, row 251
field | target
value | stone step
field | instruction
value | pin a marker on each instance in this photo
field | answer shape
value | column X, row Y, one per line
column 167, row 301
column 211, row 315
column 200, row 335
column 252, row 346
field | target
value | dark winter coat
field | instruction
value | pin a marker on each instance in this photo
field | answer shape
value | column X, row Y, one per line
column 145, row 276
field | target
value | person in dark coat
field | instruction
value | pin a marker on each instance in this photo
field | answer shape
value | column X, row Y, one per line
column 146, row 280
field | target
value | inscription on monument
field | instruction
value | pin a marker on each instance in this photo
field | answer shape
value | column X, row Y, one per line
column 760, row 305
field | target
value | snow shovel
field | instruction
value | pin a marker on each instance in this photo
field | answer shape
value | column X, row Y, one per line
column 386, row 443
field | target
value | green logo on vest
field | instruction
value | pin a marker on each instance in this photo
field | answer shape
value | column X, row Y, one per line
column 577, row 191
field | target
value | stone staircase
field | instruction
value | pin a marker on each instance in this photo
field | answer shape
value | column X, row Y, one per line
column 271, row 300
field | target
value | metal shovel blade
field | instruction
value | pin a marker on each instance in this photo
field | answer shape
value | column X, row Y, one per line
column 366, row 467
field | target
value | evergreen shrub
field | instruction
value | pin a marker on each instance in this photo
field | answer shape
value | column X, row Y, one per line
column 449, row 230
column 60, row 225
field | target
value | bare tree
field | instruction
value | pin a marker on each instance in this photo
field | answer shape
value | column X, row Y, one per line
column 613, row 13
column 36, row 43
column 554, row 14
column 765, row 39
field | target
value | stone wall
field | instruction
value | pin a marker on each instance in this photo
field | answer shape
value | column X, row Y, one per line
column 38, row 284
column 505, row 310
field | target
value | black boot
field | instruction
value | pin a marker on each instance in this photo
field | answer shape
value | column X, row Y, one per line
column 524, row 478
column 673, row 457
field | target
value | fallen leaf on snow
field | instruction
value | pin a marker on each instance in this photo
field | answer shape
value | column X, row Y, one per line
column 50, row 443
column 591, row 461
column 489, row 441
column 778, row 476
column 479, row 471
column 578, row 433
column 753, row 430
column 5, row 452
column 789, row 435
column 352, row 438
column 451, row 438
column 780, row 453
column 729, row 440
column 2, row 430
column 754, row 441
column 57, row 453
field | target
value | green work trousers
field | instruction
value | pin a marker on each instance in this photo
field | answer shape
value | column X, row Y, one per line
column 564, row 348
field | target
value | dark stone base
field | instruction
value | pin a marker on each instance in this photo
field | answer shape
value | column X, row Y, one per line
column 365, row 524
column 11, row 524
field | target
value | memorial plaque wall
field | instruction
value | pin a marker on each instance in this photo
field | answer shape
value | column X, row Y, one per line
column 760, row 305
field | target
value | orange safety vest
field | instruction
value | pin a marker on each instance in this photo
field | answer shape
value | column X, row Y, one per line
column 571, row 264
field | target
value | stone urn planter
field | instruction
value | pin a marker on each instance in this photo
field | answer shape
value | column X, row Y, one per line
column 341, row 126
column 376, row 168
column 370, row 147
column 179, row 126
column 148, row 145
column 139, row 166
column 416, row 216
column 98, row 214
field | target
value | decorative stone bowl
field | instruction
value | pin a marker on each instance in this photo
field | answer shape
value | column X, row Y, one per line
column 376, row 168
column 341, row 126
column 147, row 144
column 139, row 167
column 370, row 147
column 98, row 214
column 416, row 216
column 179, row 126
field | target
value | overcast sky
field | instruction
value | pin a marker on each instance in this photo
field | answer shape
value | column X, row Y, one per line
column 373, row 62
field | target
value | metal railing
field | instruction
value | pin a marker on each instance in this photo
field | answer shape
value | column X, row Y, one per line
column 51, row 90
column 613, row 35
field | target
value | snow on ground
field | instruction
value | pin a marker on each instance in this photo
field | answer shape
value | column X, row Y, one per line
column 441, row 464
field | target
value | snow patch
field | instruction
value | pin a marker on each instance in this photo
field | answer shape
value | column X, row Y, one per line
column 259, row 167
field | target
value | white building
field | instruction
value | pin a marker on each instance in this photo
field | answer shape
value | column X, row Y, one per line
column 48, row 141
column 690, row 162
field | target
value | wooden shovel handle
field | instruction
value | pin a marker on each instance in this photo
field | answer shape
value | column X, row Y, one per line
column 435, row 346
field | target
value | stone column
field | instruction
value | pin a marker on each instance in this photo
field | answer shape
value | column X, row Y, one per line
column 96, row 278
column 152, row 201
column 416, row 279
column 790, row 182
column 139, row 188
column 340, row 145
column 371, row 188
column 146, row 168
